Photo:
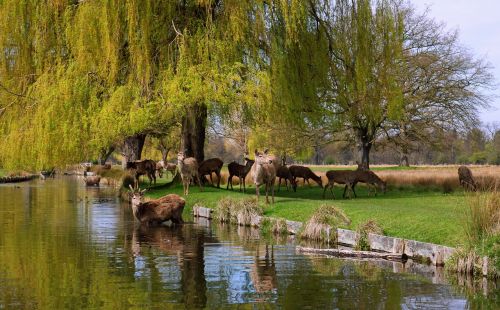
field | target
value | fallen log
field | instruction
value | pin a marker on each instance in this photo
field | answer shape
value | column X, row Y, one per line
column 353, row 253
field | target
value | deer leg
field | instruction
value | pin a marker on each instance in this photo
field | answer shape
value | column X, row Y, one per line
column 257, row 191
column 267, row 188
column 228, row 181
column 217, row 173
column 211, row 181
column 199, row 182
column 272, row 191
column 279, row 184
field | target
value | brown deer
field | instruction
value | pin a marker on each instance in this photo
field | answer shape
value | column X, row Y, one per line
column 188, row 167
column 160, row 166
column 283, row 172
column 369, row 178
column 145, row 167
column 465, row 178
column 92, row 180
column 156, row 211
column 305, row 173
column 239, row 171
column 346, row 177
column 264, row 172
column 211, row 165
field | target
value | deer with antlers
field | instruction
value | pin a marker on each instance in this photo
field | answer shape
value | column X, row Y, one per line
column 169, row 207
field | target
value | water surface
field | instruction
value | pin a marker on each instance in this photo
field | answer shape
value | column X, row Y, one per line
column 63, row 245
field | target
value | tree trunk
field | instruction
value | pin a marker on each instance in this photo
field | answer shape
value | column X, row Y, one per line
column 132, row 148
column 364, row 148
column 403, row 161
column 193, row 132
column 164, row 154
column 104, row 154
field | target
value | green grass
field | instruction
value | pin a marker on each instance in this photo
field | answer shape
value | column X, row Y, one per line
column 424, row 215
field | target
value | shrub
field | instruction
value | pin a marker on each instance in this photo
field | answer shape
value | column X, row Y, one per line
column 243, row 212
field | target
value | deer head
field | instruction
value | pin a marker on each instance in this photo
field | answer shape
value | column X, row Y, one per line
column 136, row 195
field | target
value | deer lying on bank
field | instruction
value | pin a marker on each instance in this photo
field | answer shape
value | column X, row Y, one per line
column 166, row 208
column 92, row 180
column 188, row 167
column 239, row 171
column 465, row 178
column 305, row 173
column 264, row 172
column 283, row 172
column 211, row 165
column 145, row 167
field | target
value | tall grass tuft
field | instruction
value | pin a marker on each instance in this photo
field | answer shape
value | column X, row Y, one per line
column 370, row 226
column 323, row 224
column 239, row 211
column 482, row 230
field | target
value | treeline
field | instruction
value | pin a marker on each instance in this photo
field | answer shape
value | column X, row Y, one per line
column 83, row 80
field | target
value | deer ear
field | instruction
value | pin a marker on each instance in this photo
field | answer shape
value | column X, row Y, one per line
column 266, row 150
column 256, row 152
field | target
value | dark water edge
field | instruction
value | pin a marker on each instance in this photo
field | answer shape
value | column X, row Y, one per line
column 63, row 245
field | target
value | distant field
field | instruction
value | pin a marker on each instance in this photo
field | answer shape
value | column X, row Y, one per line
column 425, row 215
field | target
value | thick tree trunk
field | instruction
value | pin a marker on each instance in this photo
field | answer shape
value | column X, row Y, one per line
column 104, row 154
column 164, row 154
column 193, row 132
column 132, row 148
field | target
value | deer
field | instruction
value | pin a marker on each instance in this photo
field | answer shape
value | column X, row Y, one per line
column 305, row 173
column 346, row 177
column 157, row 211
column 211, row 165
column 370, row 178
column 465, row 178
column 264, row 172
column 283, row 172
column 160, row 165
column 92, row 180
column 147, row 167
column 239, row 171
column 188, row 167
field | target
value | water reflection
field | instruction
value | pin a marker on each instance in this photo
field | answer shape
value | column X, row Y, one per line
column 63, row 245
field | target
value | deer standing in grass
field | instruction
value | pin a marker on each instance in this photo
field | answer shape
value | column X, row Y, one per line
column 239, row 171
column 306, row 174
column 370, row 179
column 188, row 167
column 465, row 178
column 264, row 172
column 211, row 165
column 166, row 208
column 340, row 177
column 283, row 172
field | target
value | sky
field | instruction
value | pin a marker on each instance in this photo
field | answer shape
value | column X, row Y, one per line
column 478, row 24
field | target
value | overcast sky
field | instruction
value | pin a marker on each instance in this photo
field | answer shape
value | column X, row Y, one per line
column 478, row 23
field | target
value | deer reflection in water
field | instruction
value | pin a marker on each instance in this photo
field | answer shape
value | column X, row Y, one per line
column 186, row 243
column 263, row 273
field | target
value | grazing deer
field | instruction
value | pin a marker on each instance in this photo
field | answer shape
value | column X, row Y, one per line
column 92, row 180
column 264, row 172
column 211, row 165
column 346, row 177
column 305, row 173
column 188, row 167
column 465, row 178
column 239, row 171
column 160, row 166
column 283, row 172
column 166, row 208
column 145, row 167
column 370, row 178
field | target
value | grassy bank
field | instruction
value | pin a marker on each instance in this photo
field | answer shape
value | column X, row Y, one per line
column 424, row 215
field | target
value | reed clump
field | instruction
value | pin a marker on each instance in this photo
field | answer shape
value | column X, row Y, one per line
column 244, row 212
column 368, row 227
column 323, row 224
column 481, row 251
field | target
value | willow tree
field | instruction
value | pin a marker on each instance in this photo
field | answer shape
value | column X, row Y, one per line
column 78, row 78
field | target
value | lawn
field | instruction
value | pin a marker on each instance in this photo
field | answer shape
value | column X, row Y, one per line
column 424, row 215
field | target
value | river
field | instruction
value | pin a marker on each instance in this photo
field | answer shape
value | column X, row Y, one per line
column 63, row 246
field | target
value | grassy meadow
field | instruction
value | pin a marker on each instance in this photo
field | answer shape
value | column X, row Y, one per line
column 424, row 203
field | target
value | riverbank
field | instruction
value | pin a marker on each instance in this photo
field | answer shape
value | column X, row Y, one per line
column 423, row 215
